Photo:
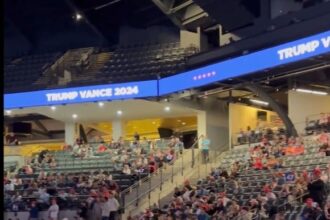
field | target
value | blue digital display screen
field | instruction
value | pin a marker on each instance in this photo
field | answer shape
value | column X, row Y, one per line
column 268, row 58
column 283, row 54
column 81, row 94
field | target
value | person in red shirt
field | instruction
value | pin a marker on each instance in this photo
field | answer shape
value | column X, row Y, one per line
column 102, row 148
column 257, row 163
column 324, row 138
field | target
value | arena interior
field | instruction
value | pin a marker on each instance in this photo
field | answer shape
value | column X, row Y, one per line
column 166, row 110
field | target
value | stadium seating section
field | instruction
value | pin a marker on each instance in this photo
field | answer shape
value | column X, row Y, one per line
column 21, row 73
column 88, row 66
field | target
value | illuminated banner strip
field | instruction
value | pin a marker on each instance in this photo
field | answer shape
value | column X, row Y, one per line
column 81, row 94
column 283, row 54
column 268, row 58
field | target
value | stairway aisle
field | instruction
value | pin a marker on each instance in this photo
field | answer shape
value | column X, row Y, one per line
column 162, row 195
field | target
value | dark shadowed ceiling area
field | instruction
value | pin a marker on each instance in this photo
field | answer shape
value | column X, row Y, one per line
column 41, row 25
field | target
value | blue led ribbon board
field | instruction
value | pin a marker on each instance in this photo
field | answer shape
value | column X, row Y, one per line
column 286, row 53
column 129, row 90
column 264, row 59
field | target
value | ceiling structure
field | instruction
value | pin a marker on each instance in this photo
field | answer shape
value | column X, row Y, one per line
column 97, row 24
column 148, row 127
column 92, row 112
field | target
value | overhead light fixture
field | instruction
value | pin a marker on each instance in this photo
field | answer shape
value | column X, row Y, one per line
column 74, row 116
column 259, row 102
column 78, row 16
column 53, row 108
column 8, row 112
column 153, row 122
column 101, row 104
column 119, row 112
column 311, row 91
column 167, row 108
column 183, row 123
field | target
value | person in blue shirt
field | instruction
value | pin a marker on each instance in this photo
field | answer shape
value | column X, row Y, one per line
column 205, row 142
column 34, row 211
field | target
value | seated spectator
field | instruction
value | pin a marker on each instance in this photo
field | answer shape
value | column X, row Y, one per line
column 152, row 166
column 311, row 210
column 323, row 119
column 326, row 209
column 258, row 164
column 75, row 150
column 324, row 138
column 9, row 186
column 52, row 163
column 126, row 170
column 28, row 169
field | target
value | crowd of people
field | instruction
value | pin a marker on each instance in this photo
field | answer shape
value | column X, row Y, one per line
column 97, row 195
column 256, row 135
column 84, row 190
column 209, row 198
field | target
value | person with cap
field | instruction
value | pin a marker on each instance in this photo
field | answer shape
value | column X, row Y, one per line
column 316, row 187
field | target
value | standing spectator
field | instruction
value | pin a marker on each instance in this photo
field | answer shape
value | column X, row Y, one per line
column 316, row 188
column 83, row 211
column 34, row 211
column 136, row 136
column 11, row 139
column 205, row 148
column 178, row 146
column 249, row 134
column 53, row 210
column 240, row 137
column 114, row 207
column 96, row 209
column 105, row 208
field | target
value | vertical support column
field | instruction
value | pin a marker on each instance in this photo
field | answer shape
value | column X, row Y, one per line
column 117, row 129
column 201, row 124
column 188, row 39
column 203, row 41
column 70, row 132
column 230, row 121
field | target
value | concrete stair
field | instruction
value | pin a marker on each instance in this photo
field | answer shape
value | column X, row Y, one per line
column 162, row 195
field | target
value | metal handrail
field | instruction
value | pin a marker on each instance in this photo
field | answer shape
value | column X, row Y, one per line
column 148, row 178
column 145, row 179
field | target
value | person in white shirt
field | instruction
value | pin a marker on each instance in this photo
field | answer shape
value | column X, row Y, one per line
column 53, row 210
column 109, row 208
column 9, row 186
column 127, row 170
column 114, row 206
